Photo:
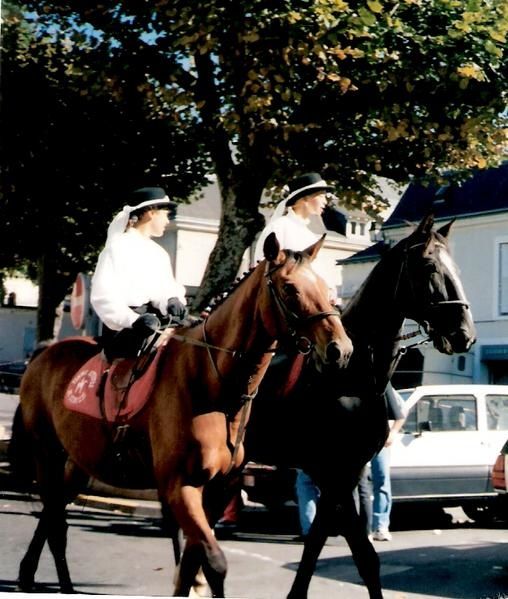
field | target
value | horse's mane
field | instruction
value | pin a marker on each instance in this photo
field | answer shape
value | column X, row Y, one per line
column 219, row 299
column 377, row 271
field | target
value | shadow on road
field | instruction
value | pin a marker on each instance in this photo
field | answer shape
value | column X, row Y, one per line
column 455, row 572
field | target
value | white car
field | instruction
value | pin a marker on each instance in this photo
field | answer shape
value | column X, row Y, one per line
column 448, row 445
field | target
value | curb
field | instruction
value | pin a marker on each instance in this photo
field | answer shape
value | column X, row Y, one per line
column 131, row 507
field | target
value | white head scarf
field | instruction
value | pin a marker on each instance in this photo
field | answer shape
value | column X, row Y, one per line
column 119, row 223
column 281, row 207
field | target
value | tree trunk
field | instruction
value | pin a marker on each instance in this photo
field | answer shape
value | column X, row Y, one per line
column 240, row 222
column 53, row 287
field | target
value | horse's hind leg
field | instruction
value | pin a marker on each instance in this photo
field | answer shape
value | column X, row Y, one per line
column 30, row 561
column 73, row 481
column 52, row 527
column 53, row 473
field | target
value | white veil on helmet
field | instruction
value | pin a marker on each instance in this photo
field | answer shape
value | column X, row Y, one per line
column 121, row 219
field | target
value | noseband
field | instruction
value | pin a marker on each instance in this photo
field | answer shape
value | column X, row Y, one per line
column 293, row 321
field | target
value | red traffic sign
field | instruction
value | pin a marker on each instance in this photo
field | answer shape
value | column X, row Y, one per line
column 79, row 302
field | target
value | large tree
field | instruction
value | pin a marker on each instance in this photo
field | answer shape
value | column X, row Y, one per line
column 400, row 89
column 76, row 138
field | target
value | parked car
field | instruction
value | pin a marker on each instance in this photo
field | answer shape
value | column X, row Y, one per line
column 448, row 445
column 500, row 473
column 270, row 485
column 10, row 375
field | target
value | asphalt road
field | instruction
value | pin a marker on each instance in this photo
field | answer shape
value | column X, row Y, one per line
column 116, row 553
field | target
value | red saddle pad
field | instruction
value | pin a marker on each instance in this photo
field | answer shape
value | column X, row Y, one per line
column 121, row 400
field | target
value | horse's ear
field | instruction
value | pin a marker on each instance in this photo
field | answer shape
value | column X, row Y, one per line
column 445, row 229
column 271, row 247
column 425, row 227
column 312, row 250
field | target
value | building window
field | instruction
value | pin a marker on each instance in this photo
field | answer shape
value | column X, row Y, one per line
column 353, row 228
column 362, row 228
column 503, row 278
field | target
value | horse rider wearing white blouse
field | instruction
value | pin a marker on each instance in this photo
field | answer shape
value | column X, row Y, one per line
column 133, row 286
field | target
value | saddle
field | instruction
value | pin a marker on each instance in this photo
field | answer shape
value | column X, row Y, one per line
column 115, row 391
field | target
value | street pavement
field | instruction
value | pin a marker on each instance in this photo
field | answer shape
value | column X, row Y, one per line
column 122, row 552
column 116, row 548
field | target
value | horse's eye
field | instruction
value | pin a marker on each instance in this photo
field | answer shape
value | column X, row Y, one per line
column 290, row 290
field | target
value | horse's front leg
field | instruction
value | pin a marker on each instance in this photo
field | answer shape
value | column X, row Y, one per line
column 201, row 548
column 314, row 543
column 363, row 552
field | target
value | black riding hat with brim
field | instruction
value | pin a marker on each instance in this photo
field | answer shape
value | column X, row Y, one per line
column 150, row 198
column 306, row 185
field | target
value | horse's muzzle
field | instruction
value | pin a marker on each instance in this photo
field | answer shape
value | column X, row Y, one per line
column 338, row 353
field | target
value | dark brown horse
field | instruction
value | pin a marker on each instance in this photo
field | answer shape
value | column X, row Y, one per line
column 333, row 424
column 188, row 431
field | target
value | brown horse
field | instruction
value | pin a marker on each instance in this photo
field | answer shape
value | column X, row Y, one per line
column 187, row 433
column 334, row 423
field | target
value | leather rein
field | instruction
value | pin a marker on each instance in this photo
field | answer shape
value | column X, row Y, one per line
column 302, row 343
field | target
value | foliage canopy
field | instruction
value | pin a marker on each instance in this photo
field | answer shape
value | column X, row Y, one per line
column 253, row 92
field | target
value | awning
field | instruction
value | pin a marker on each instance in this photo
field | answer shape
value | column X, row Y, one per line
column 494, row 353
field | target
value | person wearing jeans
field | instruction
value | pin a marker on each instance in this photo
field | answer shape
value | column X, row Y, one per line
column 380, row 470
column 382, row 495
column 307, row 495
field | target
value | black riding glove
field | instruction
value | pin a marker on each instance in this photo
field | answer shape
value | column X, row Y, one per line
column 176, row 308
column 146, row 324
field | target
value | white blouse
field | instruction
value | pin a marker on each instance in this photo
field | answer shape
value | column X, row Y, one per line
column 131, row 271
column 292, row 232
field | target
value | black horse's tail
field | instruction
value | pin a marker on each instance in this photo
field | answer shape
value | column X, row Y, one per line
column 20, row 455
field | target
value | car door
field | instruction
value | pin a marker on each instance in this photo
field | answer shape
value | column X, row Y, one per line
column 441, row 451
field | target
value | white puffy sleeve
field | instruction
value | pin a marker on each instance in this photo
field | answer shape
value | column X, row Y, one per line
column 108, row 295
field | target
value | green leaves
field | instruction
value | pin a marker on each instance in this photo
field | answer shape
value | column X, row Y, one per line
column 255, row 91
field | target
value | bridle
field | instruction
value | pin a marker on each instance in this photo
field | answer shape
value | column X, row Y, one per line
column 292, row 320
column 433, row 304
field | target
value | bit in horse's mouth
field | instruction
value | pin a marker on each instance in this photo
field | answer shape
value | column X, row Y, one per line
column 442, row 344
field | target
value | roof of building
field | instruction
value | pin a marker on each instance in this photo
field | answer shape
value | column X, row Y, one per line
column 485, row 192
column 372, row 253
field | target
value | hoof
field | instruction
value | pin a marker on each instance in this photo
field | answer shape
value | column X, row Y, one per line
column 24, row 588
